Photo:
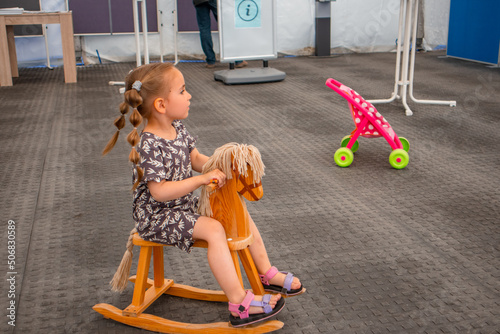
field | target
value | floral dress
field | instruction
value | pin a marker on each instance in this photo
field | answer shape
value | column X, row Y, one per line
column 169, row 222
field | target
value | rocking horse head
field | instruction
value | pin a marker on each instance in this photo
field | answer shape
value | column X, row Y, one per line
column 244, row 169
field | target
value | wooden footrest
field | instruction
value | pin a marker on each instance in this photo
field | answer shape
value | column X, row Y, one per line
column 151, row 295
column 186, row 291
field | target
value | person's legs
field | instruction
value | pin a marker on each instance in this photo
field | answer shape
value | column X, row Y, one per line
column 213, row 7
column 203, row 18
column 261, row 259
column 221, row 263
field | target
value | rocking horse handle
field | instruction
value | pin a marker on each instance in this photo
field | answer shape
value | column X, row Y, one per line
column 213, row 185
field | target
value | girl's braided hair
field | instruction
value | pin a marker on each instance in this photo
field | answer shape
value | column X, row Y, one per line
column 142, row 86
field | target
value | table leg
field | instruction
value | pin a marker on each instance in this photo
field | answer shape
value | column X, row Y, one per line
column 5, row 67
column 12, row 51
column 68, row 47
column 399, row 51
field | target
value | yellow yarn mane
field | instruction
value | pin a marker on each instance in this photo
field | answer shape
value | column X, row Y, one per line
column 226, row 158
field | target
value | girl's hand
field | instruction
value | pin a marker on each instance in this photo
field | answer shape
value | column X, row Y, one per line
column 216, row 175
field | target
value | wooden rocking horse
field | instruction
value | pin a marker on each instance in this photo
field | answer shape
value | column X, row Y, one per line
column 243, row 167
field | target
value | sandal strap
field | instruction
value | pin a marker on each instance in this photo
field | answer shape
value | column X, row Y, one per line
column 242, row 309
column 264, row 303
column 268, row 275
column 287, row 286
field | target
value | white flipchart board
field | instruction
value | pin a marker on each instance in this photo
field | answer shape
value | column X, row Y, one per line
column 247, row 30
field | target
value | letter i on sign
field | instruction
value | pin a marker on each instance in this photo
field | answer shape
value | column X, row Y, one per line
column 247, row 13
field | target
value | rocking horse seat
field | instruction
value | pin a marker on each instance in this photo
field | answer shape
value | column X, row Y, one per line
column 236, row 243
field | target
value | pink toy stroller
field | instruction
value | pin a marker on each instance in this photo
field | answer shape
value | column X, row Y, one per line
column 369, row 123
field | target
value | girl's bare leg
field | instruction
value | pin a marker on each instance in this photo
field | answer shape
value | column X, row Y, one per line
column 261, row 259
column 221, row 263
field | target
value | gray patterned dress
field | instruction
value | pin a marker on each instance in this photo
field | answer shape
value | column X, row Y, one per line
column 168, row 222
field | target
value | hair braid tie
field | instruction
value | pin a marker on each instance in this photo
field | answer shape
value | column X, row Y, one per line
column 137, row 85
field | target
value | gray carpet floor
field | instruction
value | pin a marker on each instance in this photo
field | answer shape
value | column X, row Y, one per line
column 379, row 250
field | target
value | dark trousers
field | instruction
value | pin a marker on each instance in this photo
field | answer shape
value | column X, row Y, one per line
column 203, row 18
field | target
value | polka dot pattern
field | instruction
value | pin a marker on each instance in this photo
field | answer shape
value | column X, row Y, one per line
column 376, row 122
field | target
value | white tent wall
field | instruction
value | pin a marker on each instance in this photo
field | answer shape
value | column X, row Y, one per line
column 356, row 25
column 295, row 26
column 364, row 26
column 437, row 16
column 372, row 25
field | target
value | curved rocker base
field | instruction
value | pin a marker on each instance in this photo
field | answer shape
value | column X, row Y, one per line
column 161, row 325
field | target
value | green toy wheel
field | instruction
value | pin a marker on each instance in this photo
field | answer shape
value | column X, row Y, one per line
column 405, row 143
column 345, row 141
column 343, row 157
column 399, row 158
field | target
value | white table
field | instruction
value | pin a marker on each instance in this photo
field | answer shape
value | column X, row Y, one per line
column 405, row 68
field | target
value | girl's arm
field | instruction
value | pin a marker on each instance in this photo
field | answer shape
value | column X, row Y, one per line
column 170, row 190
column 197, row 160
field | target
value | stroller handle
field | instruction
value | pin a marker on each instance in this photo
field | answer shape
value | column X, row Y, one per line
column 334, row 82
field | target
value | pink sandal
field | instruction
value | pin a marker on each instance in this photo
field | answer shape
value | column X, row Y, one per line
column 286, row 289
column 242, row 309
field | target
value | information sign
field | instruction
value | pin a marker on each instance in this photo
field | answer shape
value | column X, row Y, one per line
column 247, row 29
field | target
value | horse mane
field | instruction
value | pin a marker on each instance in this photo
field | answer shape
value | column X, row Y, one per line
column 227, row 158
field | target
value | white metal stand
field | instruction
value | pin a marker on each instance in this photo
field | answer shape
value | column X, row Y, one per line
column 44, row 32
column 401, row 78
column 137, row 40
column 160, row 32
column 144, row 32
column 175, row 32
column 47, row 53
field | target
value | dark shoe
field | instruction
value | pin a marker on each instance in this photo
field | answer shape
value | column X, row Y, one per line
column 210, row 65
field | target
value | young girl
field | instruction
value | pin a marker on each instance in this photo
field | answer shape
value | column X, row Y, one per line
column 164, row 207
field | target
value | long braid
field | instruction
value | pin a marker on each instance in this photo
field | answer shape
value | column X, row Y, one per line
column 134, row 99
column 120, row 124
column 143, row 85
